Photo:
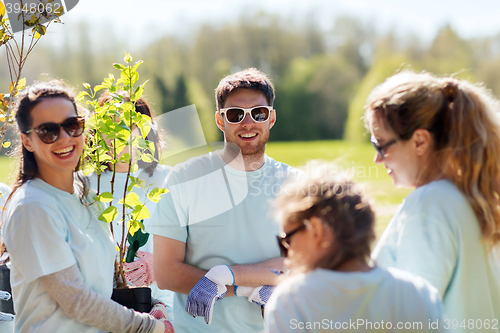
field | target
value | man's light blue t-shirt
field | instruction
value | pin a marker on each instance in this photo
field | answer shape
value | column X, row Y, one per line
column 224, row 217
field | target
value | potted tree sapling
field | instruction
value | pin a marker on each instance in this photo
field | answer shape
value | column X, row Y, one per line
column 111, row 143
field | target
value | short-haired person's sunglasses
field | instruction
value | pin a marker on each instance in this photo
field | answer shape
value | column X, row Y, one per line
column 284, row 240
column 49, row 132
column 236, row 115
column 381, row 149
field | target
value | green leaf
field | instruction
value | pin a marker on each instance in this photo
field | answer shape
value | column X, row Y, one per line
column 148, row 158
column 21, row 84
column 140, row 212
column 127, row 58
column 2, row 10
column 109, row 214
column 99, row 87
column 134, row 168
column 133, row 226
column 105, row 197
column 81, row 95
column 119, row 66
column 137, row 64
column 40, row 29
column 156, row 193
column 138, row 93
column 131, row 199
column 125, row 158
column 59, row 11
column 87, row 169
column 86, row 85
column 6, row 144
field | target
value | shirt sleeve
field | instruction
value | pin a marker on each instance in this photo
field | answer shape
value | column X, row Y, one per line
column 37, row 241
column 168, row 218
column 422, row 245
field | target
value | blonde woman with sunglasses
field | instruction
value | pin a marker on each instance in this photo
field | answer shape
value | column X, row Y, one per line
column 333, row 285
column 61, row 254
column 442, row 137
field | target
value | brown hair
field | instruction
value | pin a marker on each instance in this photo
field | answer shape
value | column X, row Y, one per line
column 250, row 78
column 27, row 167
column 141, row 106
column 465, row 129
column 323, row 193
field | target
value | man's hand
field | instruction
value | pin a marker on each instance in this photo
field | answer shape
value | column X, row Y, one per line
column 258, row 295
column 5, row 317
column 211, row 288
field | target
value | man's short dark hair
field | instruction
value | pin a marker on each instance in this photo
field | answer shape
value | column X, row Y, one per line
column 250, row 78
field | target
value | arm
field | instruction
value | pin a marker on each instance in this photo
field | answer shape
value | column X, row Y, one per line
column 169, row 268
column 84, row 305
column 172, row 273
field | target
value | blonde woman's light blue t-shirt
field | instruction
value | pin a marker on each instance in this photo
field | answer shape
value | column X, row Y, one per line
column 436, row 235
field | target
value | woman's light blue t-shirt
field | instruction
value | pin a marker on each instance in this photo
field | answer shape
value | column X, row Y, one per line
column 47, row 230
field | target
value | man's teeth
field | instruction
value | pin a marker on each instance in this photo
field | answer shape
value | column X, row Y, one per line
column 63, row 151
column 248, row 135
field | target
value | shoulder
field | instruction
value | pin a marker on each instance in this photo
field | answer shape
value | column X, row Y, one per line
column 439, row 201
column 282, row 170
column 194, row 167
column 436, row 193
column 410, row 283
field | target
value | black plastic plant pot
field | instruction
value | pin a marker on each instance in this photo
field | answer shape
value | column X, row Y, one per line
column 6, row 306
column 138, row 299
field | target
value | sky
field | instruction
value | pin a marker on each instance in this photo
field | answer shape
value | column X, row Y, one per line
column 147, row 20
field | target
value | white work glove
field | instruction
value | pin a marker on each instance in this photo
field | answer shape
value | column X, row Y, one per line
column 140, row 272
column 257, row 295
column 211, row 288
column 159, row 312
column 5, row 317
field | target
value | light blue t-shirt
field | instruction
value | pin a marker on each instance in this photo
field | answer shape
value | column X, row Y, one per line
column 47, row 230
column 155, row 180
column 5, row 191
column 436, row 235
column 375, row 301
column 223, row 216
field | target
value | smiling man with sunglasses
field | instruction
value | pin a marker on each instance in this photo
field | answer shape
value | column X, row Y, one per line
column 214, row 234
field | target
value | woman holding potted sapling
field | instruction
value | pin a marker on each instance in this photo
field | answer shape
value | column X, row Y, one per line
column 139, row 272
column 62, row 255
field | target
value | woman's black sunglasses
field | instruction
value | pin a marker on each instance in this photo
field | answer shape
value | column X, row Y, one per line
column 49, row 132
column 381, row 149
column 284, row 240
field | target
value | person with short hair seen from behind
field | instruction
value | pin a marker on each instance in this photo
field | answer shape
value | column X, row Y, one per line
column 332, row 283
column 62, row 256
column 441, row 135
column 213, row 236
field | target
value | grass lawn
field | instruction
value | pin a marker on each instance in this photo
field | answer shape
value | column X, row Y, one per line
column 355, row 159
